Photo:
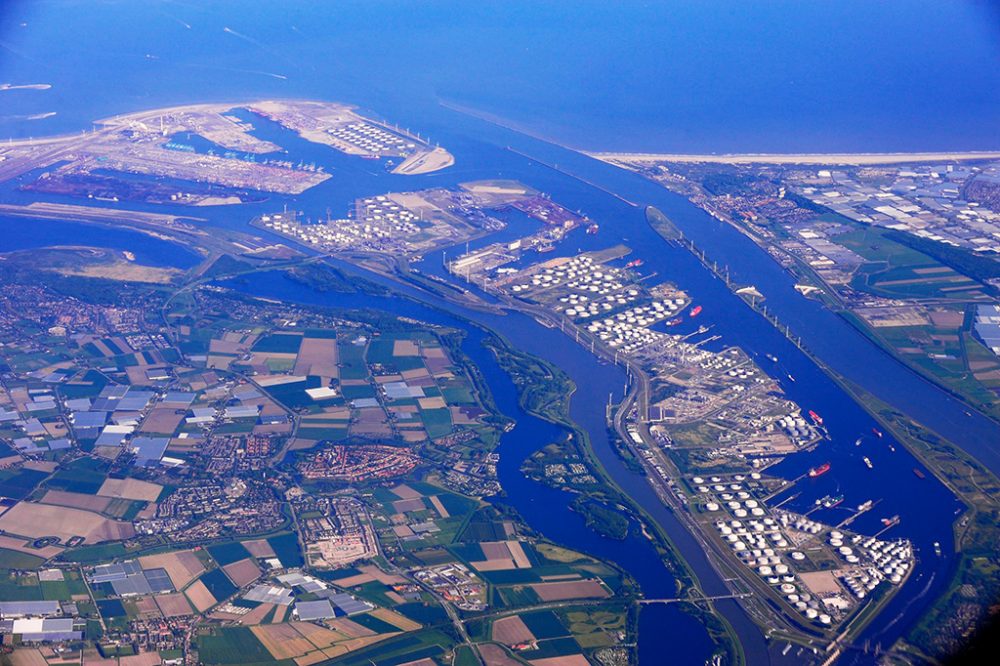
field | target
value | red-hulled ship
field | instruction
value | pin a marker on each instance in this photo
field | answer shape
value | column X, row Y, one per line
column 817, row 419
column 819, row 471
column 635, row 263
column 695, row 311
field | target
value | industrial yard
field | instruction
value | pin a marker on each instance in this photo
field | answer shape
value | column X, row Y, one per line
column 401, row 224
column 822, row 574
column 341, row 127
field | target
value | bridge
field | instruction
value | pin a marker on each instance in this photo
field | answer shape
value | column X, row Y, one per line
column 742, row 595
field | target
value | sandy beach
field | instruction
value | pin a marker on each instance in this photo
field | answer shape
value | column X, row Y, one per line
column 830, row 159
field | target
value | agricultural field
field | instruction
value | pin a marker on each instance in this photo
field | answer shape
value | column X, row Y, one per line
column 897, row 271
column 282, row 484
column 562, row 636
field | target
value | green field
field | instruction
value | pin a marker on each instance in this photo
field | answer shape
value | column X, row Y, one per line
column 897, row 271
column 13, row 559
column 219, row 584
column 227, row 553
column 18, row 484
column 286, row 547
column 234, row 645
column 279, row 343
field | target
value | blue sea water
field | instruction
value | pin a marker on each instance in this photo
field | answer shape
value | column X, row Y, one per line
column 687, row 75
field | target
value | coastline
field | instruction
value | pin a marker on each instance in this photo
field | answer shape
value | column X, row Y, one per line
column 830, row 159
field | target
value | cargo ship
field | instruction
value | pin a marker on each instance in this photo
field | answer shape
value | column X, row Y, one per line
column 695, row 311
column 864, row 506
column 817, row 419
column 675, row 321
column 819, row 471
column 830, row 502
column 593, row 229
column 635, row 263
column 889, row 522
column 868, row 462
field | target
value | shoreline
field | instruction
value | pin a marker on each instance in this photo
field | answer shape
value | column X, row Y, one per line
column 799, row 158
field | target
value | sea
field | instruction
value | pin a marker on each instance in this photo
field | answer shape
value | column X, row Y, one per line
column 699, row 76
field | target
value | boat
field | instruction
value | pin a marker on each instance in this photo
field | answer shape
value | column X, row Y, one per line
column 790, row 378
column 593, row 229
column 771, row 357
column 675, row 321
column 635, row 263
column 545, row 248
column 868, row 462
column 919, row 473
column 695, row 311
column 857, row 442
column 877, row 432
column 937, row 548
column 819, row 471
column 864, row 506
column 817, row 419
column 831, row 502
column 889, row 522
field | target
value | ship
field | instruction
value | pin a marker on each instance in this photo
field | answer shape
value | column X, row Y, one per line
column 937, row 548
column 545, row 248
column 593, row 229
column 864, row 506
column 830, row 502
column 816, row 417
column 868, row 462
column 819, row 471
column 675, row 321
column 771, row 357
column 790, row 378
column 919, row 473
column 857, row 442
column 889, row 522
column 877, row 432
column 635, row 263
column 695, row 311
